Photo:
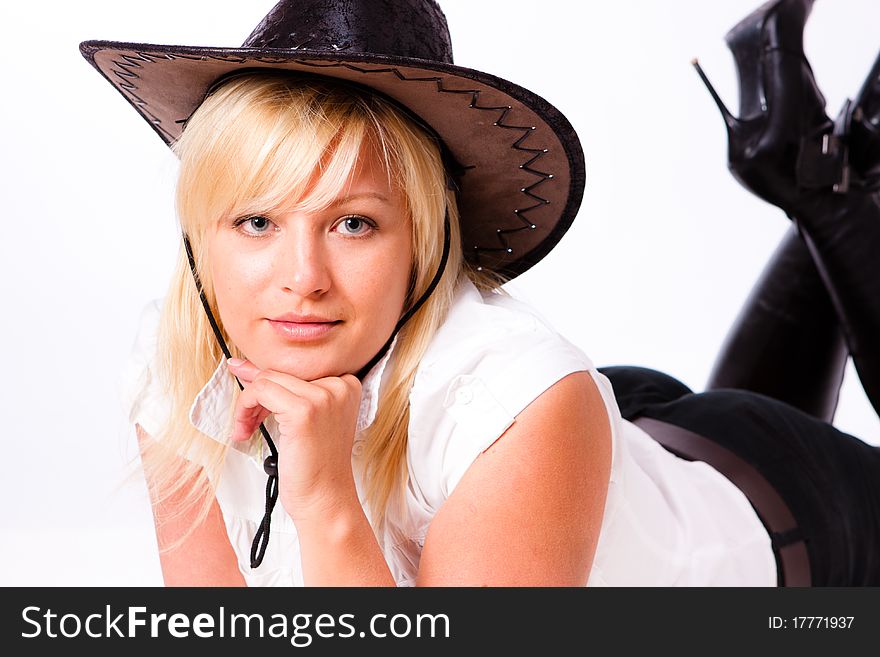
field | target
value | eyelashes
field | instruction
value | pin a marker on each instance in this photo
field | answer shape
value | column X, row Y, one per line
column 254, row 226
column 352, row 226
column 359, row 226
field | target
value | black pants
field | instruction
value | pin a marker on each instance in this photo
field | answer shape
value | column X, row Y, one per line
column 829, row 479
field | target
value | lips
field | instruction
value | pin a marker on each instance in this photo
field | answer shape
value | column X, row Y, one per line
column 303, row 328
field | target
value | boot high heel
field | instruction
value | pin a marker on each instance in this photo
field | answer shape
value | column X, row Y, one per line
column 782, row 144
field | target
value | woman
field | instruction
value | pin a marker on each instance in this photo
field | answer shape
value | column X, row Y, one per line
column 420, row 429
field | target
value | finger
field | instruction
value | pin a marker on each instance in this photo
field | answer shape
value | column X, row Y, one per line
column 317, row 394
column 245, row 429
column 256, row 402
column 322, row 392
column 244, row 370
column 247, row 415
column 340, row 386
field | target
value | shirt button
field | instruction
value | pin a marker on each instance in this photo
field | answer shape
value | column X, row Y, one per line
column 358, row 448
column 464, row 395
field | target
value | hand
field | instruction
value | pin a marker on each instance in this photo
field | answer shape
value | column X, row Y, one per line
column 316, row 420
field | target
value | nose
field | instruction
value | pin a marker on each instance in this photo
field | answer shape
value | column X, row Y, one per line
column 303, row 264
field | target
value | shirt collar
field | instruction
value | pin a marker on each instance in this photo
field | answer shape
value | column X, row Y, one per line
column 211, row 411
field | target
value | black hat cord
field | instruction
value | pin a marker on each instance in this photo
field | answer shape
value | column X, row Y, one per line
column 270, row 465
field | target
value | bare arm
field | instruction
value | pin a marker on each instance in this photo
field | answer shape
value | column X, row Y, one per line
column 529, row 509
column 341, row 550
column 206, row 558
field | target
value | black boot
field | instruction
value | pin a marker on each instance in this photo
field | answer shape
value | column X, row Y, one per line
column 863, row 133
column 843, row 235
column 817, row 171
column 842, row 230
column 781, row 106
column 786, row 342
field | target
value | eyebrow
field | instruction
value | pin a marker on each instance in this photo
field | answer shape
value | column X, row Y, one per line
column 355, row 197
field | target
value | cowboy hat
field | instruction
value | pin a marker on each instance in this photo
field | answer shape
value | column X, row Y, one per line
column 521, row 163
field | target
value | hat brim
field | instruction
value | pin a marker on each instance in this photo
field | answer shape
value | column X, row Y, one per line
column 524, row 166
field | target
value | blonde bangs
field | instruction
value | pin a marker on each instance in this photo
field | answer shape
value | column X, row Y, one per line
column 260, row 145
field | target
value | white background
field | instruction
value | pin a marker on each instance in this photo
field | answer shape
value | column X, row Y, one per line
column 665, row 248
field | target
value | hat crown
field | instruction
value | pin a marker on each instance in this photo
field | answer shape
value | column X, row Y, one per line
column 397, row 28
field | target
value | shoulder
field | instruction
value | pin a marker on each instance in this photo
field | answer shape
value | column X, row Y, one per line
column 492, row 357
column 500, row 343
column 542, row 483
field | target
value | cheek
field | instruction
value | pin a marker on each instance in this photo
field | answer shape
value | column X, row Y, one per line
column 389, row 284
column 393, row 280
column 237, row 277
column 377, row 286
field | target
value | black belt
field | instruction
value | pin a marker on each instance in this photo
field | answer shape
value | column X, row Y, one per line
column 793, row 562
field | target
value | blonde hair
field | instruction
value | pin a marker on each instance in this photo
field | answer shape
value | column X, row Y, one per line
column 251, row 142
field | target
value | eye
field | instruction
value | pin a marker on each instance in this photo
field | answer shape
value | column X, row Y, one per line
column 255, row 225
column 355, row 226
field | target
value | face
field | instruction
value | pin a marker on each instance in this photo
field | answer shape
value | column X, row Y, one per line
column 316, row 294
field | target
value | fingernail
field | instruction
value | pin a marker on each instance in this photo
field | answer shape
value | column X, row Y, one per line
column 235, row 362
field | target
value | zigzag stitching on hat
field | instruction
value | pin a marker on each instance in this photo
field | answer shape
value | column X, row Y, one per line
column 125, row 73
column 503, row 233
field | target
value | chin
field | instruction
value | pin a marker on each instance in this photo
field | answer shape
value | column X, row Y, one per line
column 307, row 369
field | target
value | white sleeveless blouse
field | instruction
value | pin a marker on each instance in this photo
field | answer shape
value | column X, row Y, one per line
column 667, row 521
